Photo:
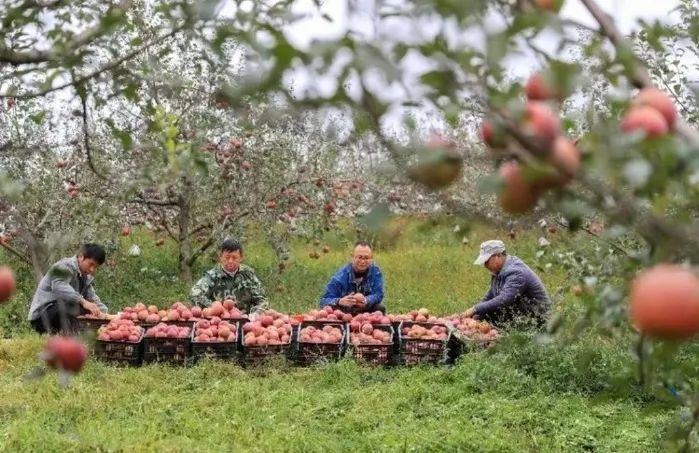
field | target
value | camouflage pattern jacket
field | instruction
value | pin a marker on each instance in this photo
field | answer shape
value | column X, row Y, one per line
column 244, row 286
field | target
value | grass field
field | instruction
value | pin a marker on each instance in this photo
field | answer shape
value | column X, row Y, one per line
column 577, row 395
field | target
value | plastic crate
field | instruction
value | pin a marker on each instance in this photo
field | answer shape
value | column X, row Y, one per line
column 313, row 353
column 375, row 354
column 461, row 344
column 257, row 355
column 119, row 353
column 90, row 324
column 224, row 350
column 422, row 350
column 177, row 351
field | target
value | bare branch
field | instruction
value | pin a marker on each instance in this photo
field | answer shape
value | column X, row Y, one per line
column 86, row 138
column 15, row 58
column 16, row 253
column 95, row 73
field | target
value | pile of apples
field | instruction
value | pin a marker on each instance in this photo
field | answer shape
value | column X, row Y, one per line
column 120, row 330
column 269, row 328
column 375, row 318
column 162, row 330
column 327, row 313
column 151, row 314
column 214, row 331
column 474, row 329
column 421, row 315
column 224, row 309
column 325, row 334
column 419, row 332
column 367, row 334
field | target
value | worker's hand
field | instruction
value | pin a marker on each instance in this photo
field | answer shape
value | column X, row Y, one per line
column 92, row 308
column 470, row 312
column 359, row 300
column 346, row 301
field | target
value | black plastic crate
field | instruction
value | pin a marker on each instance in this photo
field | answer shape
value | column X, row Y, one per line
column 423, row 350
column 120, row 353
column 374, row 354
column 176, row 351
column 224, row 350
column 312, row 353
column 258, row 355
column 90, row 324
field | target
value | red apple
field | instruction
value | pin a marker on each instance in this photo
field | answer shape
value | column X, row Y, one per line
column 647, row 119
column 8, row 284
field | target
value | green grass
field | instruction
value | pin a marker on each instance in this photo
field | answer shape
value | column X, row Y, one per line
column 521, row 396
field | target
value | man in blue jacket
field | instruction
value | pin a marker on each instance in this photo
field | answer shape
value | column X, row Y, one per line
column 515, row 293
column 358, row 286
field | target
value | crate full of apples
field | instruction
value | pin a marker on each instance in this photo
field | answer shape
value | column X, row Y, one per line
column 167, row 343
column 474, row 333
column 422, row 342
column 268, row 335
column 320, row 341
column 371, row 343
column 215, row 338
column 119, row 342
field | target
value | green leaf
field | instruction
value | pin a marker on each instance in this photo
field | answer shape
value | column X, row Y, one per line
column 38, row 118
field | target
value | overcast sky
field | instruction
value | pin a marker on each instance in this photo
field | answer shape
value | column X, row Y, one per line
column 625, row 12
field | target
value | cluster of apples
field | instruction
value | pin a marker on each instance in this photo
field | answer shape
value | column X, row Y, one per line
column 120, row 330
column 214, row 331
column 225, row 309
column 152, row 314
column 327, row 313
column 370, row 319
column 474, row 329
column 652, row 112
column 325, row 334
column 368, row 334
column 269, row 328
column 421, row 315
column 560, row 159
column 420, row 332
column 163, row 330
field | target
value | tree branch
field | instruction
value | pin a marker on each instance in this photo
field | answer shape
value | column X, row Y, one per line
column 640, row 77
column 15, row 58
column 95, row 73
column 16, row 253
column 86, row 138
column 144, row 200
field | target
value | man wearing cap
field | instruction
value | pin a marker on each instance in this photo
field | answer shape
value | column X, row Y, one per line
column 515, row 292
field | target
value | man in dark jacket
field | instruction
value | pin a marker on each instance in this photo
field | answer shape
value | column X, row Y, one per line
column 67, row 291
column 516, row 292
column 358, row 286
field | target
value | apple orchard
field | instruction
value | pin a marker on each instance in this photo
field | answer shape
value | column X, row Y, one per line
column 160, row 128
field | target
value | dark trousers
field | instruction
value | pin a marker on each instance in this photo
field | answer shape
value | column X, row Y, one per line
column 365, row 309
column 58, row 317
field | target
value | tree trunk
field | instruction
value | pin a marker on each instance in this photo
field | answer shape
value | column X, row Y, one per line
column 185, row 243
column 39, row 256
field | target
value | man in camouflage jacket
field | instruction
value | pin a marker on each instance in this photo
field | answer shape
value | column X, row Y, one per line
column 230, row 279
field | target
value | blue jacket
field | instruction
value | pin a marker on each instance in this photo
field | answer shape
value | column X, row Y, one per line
column 515, row 289
column 342, row 284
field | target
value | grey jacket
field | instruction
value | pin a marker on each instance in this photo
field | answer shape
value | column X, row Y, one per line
column 515, row 289
column 61, row 284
